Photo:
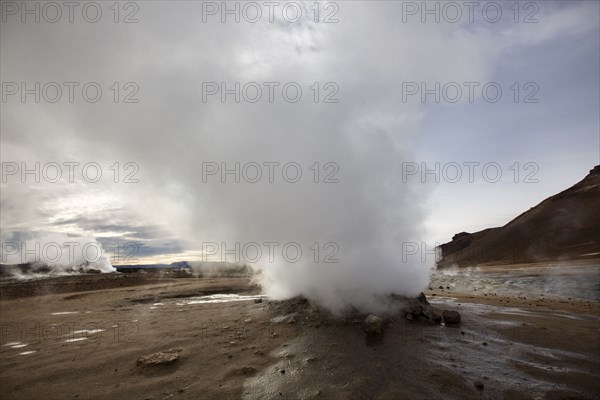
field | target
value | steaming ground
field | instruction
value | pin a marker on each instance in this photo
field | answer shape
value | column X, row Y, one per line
column 80, row 336
column 53, row 255
column 560, row 280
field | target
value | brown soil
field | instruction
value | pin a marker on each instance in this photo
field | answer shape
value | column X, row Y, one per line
column 504, row 348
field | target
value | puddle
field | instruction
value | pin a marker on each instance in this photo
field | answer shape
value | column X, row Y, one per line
column 219, row 298
column 24, row 353
column 79, row 339
column 65, row 313
column 15, row 345
column 87, row 331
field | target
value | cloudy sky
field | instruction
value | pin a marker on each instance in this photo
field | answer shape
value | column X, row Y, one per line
column 136, row 93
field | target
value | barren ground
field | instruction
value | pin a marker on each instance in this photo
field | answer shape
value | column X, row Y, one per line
column 504, row 348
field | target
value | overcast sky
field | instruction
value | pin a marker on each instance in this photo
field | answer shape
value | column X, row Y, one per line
column 160, row 118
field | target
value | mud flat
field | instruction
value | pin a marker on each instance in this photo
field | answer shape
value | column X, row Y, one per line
column 218, row 338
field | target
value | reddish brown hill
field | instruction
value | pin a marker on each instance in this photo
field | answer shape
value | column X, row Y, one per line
column 565, row 226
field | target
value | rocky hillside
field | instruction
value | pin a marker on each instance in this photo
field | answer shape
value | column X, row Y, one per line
column 565, row 226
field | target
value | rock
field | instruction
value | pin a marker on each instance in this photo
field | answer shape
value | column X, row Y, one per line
column 422, row 299
column 257, row 301
column 421, row 309
column 433, row 316
column 247, row 370
column 479, row 385
column 373, row 325
column 285, row 319
column 415, row 308
column 451, row 317
column 161, row 358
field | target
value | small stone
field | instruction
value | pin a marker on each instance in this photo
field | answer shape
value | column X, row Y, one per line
column 373, row 325
column 247, row 370
column 285, row 319
column 161, row 358
column 451, row 317
column 257, row 301
column 479, row 385
column 282, row 371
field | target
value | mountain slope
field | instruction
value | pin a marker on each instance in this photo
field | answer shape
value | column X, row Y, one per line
column 565, row 226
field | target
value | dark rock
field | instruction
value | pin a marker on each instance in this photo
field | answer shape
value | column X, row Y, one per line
column 422, row 299
column 479, row 385
column 420, row 309
column 247, row 370
column 451, row 317
column 373, row 325
column 257, row 301
column 415, row 308
column 433, row 316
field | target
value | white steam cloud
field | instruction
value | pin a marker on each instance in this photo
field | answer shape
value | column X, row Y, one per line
column 350, row 203
column 56, row 254
column 364, row 220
